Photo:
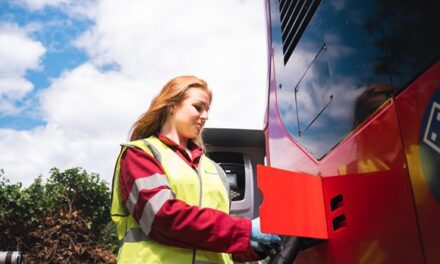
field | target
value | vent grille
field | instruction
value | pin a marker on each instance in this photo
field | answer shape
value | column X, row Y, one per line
column 294, row 17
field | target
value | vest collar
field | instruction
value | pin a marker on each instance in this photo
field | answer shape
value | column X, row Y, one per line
column 196, row 151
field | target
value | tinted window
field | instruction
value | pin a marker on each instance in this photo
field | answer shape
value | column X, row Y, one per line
column 333, row 63
column 412, row 35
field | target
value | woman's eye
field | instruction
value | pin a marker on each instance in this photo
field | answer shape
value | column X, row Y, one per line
column 198, row 107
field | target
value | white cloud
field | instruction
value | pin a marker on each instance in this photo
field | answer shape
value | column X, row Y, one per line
column 222, row 42
column 27, row 154
column 76, row 9
column 40, row 4
column 88, row 102
column 12, row 89
column 89, row 111
column 337, row 48
column 18, row 53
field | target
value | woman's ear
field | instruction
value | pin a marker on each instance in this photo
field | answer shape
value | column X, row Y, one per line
column 171, row 109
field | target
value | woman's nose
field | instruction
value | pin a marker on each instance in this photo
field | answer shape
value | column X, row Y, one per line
column 204, row 115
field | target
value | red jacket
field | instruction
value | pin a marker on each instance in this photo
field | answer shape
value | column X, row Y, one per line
column 177, row 223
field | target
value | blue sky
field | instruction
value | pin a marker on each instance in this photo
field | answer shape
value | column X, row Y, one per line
column 55, row 31
column 75, row 75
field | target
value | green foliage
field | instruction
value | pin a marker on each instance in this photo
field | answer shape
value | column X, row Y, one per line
column 109, row 237
column 23, row 209
column 20, row 210
column 76, row 189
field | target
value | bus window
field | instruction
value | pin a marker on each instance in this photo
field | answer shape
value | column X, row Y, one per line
column 412, row 35
column 333, row 61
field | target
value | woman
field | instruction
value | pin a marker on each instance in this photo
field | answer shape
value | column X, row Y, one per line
column 170, row 202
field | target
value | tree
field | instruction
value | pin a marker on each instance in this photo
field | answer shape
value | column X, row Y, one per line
column 68, row 215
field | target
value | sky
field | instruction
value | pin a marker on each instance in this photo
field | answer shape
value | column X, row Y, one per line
column 76, row 74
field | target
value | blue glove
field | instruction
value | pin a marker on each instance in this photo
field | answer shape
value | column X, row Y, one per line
column 257, row 247
column 263, row 238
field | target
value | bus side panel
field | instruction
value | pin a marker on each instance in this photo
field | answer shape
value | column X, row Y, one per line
column 374, row 190
column 419, row 116
column 375, row 233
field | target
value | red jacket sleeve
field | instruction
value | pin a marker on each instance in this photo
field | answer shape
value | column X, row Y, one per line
column 176, row 223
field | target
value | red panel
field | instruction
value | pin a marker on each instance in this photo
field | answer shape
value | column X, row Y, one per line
column 373, row 216
column 286, row 195
column 357, row 209
column 411, row 106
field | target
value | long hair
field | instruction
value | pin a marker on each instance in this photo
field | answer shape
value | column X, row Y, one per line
column 150, row 122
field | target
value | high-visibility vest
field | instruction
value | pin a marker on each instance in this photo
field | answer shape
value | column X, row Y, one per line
column 205, row 187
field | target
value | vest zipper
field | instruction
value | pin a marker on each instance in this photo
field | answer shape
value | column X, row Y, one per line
column 194, row 257
column 201, row 186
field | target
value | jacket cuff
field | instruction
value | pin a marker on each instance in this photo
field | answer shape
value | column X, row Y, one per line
column 249, row 255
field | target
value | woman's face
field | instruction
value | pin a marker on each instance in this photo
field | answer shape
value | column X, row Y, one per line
column 190, row 115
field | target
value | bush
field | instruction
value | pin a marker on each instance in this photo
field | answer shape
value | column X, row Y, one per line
column 30, row 216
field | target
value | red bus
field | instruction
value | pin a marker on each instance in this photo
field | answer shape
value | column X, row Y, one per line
column 352, row 131
column 354, row 99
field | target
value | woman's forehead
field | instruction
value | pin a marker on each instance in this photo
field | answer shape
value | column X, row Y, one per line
column 198, row 94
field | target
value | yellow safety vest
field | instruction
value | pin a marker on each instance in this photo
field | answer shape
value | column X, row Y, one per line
column 205, row 187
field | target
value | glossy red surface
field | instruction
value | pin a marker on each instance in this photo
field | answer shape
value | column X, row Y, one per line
column 303, row 193
column 411, row 105
column 369, row 169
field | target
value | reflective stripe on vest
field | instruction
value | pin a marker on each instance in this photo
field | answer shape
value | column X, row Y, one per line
column 134, row 235
column 197, row 188
column 147, row 183
column 152, row 207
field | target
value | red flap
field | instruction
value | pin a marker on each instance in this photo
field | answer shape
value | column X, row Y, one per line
column 286, row 193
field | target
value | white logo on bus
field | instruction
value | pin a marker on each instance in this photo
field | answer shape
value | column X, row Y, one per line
column 432, row 132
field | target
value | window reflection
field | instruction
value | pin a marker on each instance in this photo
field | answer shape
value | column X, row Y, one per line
column 332, row 64
column 411, row 36
column 372, row 98
column 315, row 84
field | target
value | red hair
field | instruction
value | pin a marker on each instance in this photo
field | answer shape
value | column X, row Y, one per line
column 150, row 122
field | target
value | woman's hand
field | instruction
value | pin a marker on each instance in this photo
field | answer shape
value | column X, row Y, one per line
column 263, row 238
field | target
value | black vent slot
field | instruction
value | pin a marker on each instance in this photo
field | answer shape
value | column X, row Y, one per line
column 337, row 202
column 294, row 17
column 339, row 222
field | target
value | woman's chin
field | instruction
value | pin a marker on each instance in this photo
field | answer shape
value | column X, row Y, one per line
column 197, row 131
